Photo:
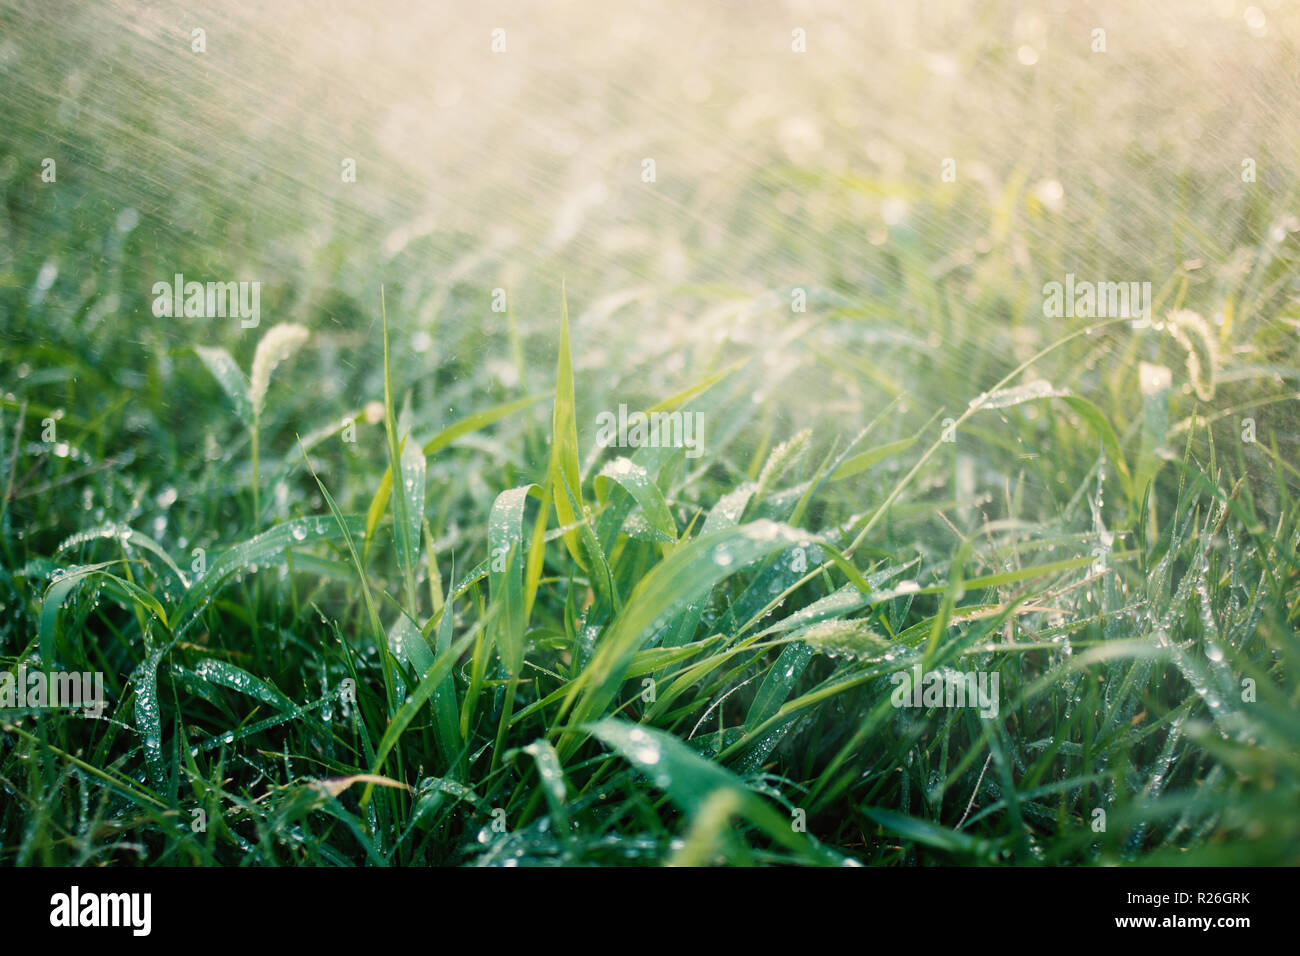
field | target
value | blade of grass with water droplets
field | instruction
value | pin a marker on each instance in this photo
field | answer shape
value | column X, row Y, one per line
column 148, row 715
column 297, row 712
column 931, row 834
column 564, row 476
column 699, row 388
column 1109, row 440
column 506, row 586
column 405, row 467
column 230, row 378
column 228, row 675
column 466, row 426
column 861, row 462
column 257, row 550
column 58, row 592
column 472, row 423
column 725, row 514
column 862, row 528
column 671, row 765
column 684, row 576
column 780, row 680
column 128, row 538
column 636, row 481
column 377, row 628
column 409, row 645
column 413, row 482
column 415, row 700
column 691, row 781
column 552, row 777
column 446, row 707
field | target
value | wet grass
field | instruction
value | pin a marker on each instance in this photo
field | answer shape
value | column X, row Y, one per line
column 366, row 590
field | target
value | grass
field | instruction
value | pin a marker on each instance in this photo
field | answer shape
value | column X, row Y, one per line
column 366, row 590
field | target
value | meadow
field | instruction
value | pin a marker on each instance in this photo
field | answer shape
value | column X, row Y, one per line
column 650, row 435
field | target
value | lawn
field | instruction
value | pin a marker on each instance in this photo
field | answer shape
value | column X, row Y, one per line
column 668, row 434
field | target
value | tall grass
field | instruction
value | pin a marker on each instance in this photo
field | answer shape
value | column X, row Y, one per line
column 395, row 605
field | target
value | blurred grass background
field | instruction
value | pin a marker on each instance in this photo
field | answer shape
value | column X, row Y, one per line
column 776, row 169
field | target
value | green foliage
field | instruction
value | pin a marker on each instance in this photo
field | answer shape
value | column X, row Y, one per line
column 529, row 649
